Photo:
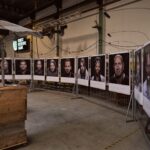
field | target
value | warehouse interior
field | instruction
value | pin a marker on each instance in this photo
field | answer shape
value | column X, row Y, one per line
column 47, row 102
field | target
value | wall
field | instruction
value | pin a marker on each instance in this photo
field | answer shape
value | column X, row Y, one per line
column 128, row 27
column 80, row 38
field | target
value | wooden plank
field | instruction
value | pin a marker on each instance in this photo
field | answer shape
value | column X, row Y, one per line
column 12, row 107
column 13, row 146
column 17, row 116
column 6, row 96
column 12, row 88
column 12, row 128
column 13, row 140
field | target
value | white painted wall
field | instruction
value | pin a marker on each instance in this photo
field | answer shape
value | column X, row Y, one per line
column 79, row 36
column 128, row 25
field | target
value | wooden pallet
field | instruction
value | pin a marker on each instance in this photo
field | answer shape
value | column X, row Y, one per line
column 13, row 110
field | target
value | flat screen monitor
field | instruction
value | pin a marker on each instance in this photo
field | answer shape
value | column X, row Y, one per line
column 21, row 44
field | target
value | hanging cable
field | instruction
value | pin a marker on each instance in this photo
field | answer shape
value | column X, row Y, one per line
column 44, row 44
column 49, row 51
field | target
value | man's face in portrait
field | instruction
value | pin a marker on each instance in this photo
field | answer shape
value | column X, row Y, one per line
column 118, row 66
column 52, row 66
column 67, row 67
column 5, row 65
column 82, row 65
column 23, row 65
column 97, row 67
column 39, row 65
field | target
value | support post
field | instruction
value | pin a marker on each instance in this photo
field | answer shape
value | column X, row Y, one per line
column 31, row 56
column 76, row 77
column 57, row 43
column 132, row 100
column 100, row 36
column 2, row 62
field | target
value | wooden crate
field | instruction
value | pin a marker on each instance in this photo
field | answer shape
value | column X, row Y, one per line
column 13, row 111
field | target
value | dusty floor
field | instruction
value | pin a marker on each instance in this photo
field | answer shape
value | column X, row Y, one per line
column 59, row 121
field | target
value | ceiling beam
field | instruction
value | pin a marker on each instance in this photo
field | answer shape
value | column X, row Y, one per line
column 84, row 3
column 11, row 9
column 81, row 4
column 39, row 8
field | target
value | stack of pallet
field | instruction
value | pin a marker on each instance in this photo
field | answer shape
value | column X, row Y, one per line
column 13, row 110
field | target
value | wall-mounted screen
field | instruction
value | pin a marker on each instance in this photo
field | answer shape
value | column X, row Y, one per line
column 21, row 44
column 119, row 73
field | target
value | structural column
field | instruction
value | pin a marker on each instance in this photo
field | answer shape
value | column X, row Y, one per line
column 100, row 30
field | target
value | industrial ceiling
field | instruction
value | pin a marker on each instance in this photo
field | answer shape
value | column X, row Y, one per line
column 17, row 10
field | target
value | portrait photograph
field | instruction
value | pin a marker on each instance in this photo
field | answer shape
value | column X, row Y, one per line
column 146, row 72
column 83, row 68
column 119, row 73
column 119, row 68
column 98, row 68
column 138, row 76
column 22, row 66
column 7, row 66
column 52, row 67
column 67, row 67
column 39, row 67
column 98, row 79
column 146, row 78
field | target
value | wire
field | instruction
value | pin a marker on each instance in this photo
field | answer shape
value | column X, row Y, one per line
column 45, row 44
column 124, row 45
column 81, row 50
column 117, row 46
column 131, row 31
column 49, row 51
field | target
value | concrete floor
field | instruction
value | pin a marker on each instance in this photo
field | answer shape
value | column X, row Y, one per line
column 59, row 121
